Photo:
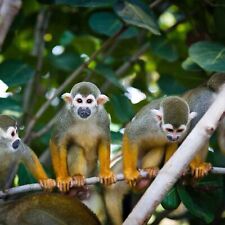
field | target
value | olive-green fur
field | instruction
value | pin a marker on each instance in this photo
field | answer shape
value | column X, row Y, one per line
column 215, row 81
column 175, row 111
column 85, row 88
column 6, row 122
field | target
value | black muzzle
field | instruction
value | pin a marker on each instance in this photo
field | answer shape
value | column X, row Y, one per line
column 16, row 143
column 84, row 112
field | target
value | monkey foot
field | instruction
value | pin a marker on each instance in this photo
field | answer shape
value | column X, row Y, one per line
column 78, row 180
column 107, row 178
column 64, row 183
column 201, row 170
column 131, row 177
column 47, row 184
column 152, row 171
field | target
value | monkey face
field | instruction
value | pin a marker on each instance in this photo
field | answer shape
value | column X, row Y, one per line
column 173, row 134
column 10, row 137
column 84, row 106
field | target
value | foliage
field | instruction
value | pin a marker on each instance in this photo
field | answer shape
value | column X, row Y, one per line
column 165, row 49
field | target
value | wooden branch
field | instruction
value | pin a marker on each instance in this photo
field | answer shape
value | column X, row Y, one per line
column 72, row 76
column 174, row 168
column 88, row 181
column 8, row 10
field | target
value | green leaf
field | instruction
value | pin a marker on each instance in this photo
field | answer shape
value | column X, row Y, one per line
column 109, row 75
column 67, row 61
column 122, row 107
column 9, row 104
column 205, row 199
column 116, row 137
column 189, row 65
column 161, row 47
column 171, row 200
column 81, row 3
column 14, row 72
column 107, row 23
column 208, row 55
column 136, row 13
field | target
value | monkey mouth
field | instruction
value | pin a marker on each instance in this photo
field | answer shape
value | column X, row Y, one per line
column 84, row 113
column 172, row 139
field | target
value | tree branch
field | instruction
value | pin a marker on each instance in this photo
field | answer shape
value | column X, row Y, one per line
column 88, row 181
column 68, row 81
column 8, row 10
column 174, row 168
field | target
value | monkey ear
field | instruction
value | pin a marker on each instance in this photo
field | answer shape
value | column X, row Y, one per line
column 102, row 99
column 67, row 97
column 192, row 115
column 158, row 114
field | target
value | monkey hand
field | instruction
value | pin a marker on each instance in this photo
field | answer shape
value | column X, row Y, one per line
column 107, row 177
column 200, row 170
column 131, row 177
column 152, row 171
column 47, row 184
column 78, row 180
column 64, row 183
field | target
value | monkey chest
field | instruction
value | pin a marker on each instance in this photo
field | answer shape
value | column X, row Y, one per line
column 154, row 140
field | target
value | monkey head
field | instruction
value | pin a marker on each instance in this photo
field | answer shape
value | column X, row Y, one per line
column 84, row 99
column 9, row 132
column 174, row 117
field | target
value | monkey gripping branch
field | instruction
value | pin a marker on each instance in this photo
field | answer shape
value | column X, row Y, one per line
column 174, row 168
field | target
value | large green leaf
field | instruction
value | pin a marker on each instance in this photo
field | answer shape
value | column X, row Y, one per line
column 205, row 199
column 171, row 200
column 14, row 72
column 81, row 3
column 208, row 55
column 189, row 65
column 9, row 104
column 108, row 23
column 109, row 75
column 161, row 47
column 67, row 61
column 136, row 13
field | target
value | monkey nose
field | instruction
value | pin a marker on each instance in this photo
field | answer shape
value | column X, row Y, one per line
column 84, row 112
column 170, row 138
column 16, row 144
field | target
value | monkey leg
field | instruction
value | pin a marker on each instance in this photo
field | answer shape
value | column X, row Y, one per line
column 150, row 163
column 198, row 167
column 107, row 177
column 59, row 161
column 77, row 165
column 114, row 196
column 130, row 158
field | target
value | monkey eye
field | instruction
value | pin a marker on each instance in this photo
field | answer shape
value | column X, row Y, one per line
column 13, row 133
column 79, row 100
column 89, row 101
column 169, row 129
column 180, row 130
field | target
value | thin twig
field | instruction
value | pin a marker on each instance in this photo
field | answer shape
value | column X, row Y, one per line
column 8, row 10
column 88, row 181
column 68, row 81
column 155, row 3
column 39, row 45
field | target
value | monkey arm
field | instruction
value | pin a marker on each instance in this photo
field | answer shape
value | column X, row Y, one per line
column 59, row 161
column 33, row 164
column 106, row 175
column 130, row 158
column 170, row 149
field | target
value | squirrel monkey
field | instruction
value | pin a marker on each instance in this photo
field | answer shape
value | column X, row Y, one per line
column 46, row 209
column 81, row 137
column 199, row 100
column 13, row 151
column 157, row 128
